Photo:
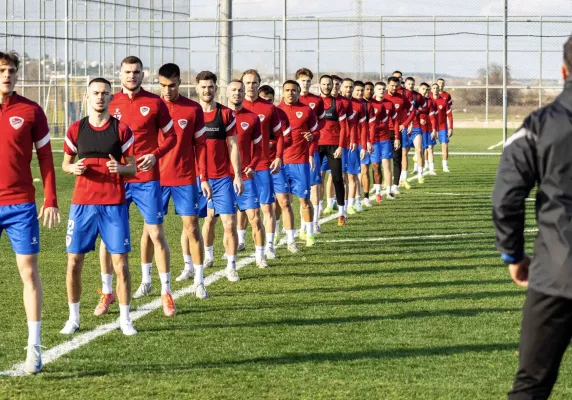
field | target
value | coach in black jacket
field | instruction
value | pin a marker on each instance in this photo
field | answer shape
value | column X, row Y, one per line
column 540, row 153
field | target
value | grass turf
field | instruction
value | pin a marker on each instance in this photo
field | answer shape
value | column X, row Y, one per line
column 404, row 318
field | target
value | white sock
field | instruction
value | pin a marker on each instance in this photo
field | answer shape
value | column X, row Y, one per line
column 377, row 188
column 330, row 201
column 270, row 240
column 420, row 172
column 106, row 283
column 357, row 198
column 345, row 207
column 290, row 235
column 188, row 262
column 165, row 282
column 350, row 202
column 310, row 228
column 394, row 188
column 320, row 207
column 302, row 226
column 259, row 253
column 404, row 174
column 199, row 272
column 388, row 189
column 241, row 236
column 341, row 212
column 74, row 312
column 209, row 253
column 276, row 230
column 231, row 262
column 34, row 332
column 124, row 313
column 444, row 163
column 431, row 166
column 146, row 272
column 316, row 213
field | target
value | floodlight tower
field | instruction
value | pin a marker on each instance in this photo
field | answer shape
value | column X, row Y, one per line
column 358, row 41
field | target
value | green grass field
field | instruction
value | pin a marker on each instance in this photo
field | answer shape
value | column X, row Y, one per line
column 379, row 309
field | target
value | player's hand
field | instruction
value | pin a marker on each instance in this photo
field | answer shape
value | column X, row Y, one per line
column 146, row 162
column 50, row 214
column 450, row 133
column 362, row 154
column 275, row 165
column 401, row 128
column 434, row 135
column 338, row 153
column 312, row 163
column 113, row 166
column 238, row 185
column 308, row 136
column 207, row 190
column 353, row 147
column 369, row 148
column 77, row 168
column 422, row 121
column 396, row 144
column 248, row 172
column 519, row 272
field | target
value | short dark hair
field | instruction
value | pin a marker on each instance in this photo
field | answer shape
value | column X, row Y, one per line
column 99, row 80
column 132, row 60
column 251, row 72
column 304, row 71
column 368, row 83
column 380, row 83
column 441, row 79
column 206, row 76
column 568, row 54
column 359, row 83
column 10, row 57
column 424, row 84
column 393, row 79
column 170, row 71
column 435, row 84
column 336, row 78
column 397, row 72
column 409, row 78
column 266, row 89
column 291, row 82
column 348, row 80
column 236, row 81
column 327, row 77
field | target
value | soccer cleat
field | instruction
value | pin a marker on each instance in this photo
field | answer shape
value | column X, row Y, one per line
column 328, row 210
column 378, row 198
column 358, row 207
column 105, row 301
column 405, row 184
column 432, row 173
column 33, row 363
column 351, row 210
column 232, row 275
column 310, row 241
column 127, row 328
column 421, row 180
column 70, row 328
column 341, row 221
column 389, row 196
column 169, row 308
column 241, row 247
column 201, row 292
column 302, row 234
column 317, row 228
column 276, row 238
column 209, row 262
column 262, row 264
column 185, row 275
column 366, row 202
column 395, row 190
column 293, row 248
column 335, row 205
column 143, row 290
column 446, row 169
column 270, row 253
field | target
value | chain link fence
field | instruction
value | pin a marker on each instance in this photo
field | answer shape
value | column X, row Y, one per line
column 64, row 43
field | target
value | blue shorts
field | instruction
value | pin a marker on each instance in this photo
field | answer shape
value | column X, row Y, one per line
column 414, row 133
column 427, row 141
column 406, row 140
column 202, row 201
column 375, row 156
column 298, row 176
column 86, row 221
column 148, row 198
column 443, row 136
column 185, row 199
column 350, row 162
column 265, row 186
column 248, row 200
column 325, row 165
column 223, row 196
column 367, row 159
column 280, row 181
column 316, row 173
column 22, row 226
column 386, row 149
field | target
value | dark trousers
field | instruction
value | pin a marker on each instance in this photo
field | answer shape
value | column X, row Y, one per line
column 397, row 156
column 545, row 334
column 336, row 171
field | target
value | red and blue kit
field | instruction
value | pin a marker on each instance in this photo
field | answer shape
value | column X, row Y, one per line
column 317, row 105
column 444, row 118
column 405, row 115
column 427, row 113
column 357, row 118
column 383, row 127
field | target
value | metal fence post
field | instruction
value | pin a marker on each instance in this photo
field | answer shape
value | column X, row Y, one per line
column 487, row 79
column 66, row 69
column 504, row 74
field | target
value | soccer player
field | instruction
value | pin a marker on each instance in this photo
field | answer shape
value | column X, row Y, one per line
column 270, row 160
column 222, row 146
column 100, row 141
column 179, row 179
column 443, row 93
column 147, row 115
column 404, row 118
column 415, row 132
column 351, row 156
column 297, row 161
column 444, row 122
column 375, row 155
column 250, row 146
column 368, row 91
column 427, row 119
column 366, row 145
column 24, row 126
column 304, row 78
column 332, row 139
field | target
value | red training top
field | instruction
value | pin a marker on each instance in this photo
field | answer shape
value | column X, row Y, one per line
column 249, row 139
column 302, row 119
column 220, row 124
column 335, row 126
column 270, row 125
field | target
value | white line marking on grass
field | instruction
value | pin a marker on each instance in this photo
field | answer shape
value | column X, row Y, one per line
column 81, row 339
column 494, row 146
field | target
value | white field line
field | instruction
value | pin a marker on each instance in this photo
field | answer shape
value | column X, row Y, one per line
column 82, row 339
column 494, row 146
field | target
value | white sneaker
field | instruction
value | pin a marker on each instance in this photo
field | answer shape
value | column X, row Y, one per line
column 186, row 275
column 395, row 190
column 389, row 196
column 209, row 262
column 241, row 247
column 366, row 202
column 446, row 169
column 262, row 264
column 143, row 290
column 127, row 328
column 270, row 254
column 293, row 248
column 232, row 275
column 432, row 173
column 33, row 363
column 358, row 207
column 70, row 328
column 201, row 291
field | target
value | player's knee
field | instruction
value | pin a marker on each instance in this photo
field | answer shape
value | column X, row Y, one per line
column 156, row 233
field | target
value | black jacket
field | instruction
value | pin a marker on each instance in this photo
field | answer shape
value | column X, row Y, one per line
column 539, row 153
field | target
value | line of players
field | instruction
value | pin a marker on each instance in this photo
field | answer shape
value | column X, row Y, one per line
column 210, row 159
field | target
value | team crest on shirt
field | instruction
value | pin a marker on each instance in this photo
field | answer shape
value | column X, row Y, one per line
column 117, row 114
column 244, row 125
column 299, row 114
column 312, row 105
column 16, row 122
column 440, row 107
column 396, row 106
column 144, row 110
column 182, row 123
column 261, row 116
